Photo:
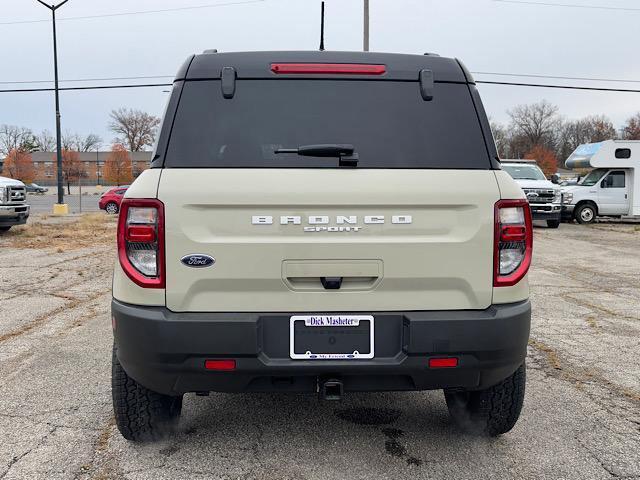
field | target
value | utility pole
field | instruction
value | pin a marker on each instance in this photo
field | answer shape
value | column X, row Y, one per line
column 365, row 39
column 322, row 27
column 60, row 208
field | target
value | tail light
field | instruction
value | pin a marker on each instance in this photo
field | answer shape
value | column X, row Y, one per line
column 328, row 68
column 141, row 241
column 513, row 244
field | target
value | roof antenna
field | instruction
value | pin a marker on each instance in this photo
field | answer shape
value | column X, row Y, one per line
column 322, row 27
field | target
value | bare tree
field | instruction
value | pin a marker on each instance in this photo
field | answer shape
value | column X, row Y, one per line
column 16, row 138
column 535, row 124
column 501, row 137
column 631, row 130
column 592, row 129
column 45, row 141
column 78, row 143
column 135, row 129
column 69, row 141
column 89, row 142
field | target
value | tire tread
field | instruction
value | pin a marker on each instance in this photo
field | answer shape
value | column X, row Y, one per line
column 493, row 411
column 141, row 414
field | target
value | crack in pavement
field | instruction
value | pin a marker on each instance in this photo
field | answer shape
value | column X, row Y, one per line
column 553, row 366
column 18, row 458
column 42, row 319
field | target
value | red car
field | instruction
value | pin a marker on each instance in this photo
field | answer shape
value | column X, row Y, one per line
column 110, row 200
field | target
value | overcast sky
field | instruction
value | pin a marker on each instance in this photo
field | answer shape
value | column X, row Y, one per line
column 488, row 35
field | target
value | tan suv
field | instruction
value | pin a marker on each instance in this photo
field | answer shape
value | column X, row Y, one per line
column 322, row 222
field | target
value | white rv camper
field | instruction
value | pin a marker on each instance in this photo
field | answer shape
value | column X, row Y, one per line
column 612, row 188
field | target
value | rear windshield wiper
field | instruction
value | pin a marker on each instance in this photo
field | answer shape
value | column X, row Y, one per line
column 344, row 153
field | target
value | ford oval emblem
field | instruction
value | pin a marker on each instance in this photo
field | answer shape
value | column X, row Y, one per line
column 197, row 260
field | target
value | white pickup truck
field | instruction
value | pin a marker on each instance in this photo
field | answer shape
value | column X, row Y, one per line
column 544, row 197
column 13, row 207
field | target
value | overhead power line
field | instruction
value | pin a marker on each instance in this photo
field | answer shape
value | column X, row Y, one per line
column 140, row 77
column 93, row 87
column 140, row 12
column 566, row 87
column 556, row 77
column 502, row 74
column 486, row 82
column 570, row 5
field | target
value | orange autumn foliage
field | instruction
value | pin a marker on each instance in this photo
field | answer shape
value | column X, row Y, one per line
column 117, row 167
column 545, row 159
column 19, row 165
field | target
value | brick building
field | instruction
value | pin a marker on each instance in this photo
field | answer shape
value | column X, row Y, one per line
column 44, row 164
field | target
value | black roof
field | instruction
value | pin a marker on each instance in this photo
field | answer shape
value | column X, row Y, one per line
column 258, row 65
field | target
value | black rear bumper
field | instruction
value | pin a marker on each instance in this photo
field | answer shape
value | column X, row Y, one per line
column 166, row 351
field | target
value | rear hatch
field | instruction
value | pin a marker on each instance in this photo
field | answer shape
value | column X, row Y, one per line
column 409, row 228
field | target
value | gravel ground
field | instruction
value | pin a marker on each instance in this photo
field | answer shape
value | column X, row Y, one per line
column 581, row 418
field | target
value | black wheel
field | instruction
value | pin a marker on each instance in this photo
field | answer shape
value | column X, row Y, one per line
column 4, row 229
column 489, row 412
column 111, row 207
column 141, row 414
column 553, row 223
column 585, row 213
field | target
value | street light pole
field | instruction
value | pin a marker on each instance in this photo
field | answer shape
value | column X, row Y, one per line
column 62, row 209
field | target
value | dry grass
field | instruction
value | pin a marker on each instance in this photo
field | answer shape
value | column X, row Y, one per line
column 63, row 234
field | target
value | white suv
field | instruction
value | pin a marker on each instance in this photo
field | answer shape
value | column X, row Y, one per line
column 312, row 222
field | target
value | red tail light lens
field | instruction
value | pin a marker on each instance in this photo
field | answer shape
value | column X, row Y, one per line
column 513, row 243
column 141, row 241
column 328, row 68
column 141, row 233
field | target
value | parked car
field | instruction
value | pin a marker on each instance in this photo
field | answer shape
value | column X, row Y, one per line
column 110, row 200
column 544, row 197
column 322, row 222
column 35, row 188
column 612, row 188
column 13, row 207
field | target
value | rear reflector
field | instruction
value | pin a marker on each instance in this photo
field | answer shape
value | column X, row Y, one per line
column 220, row 365
column 328, row 68
column 448, row 362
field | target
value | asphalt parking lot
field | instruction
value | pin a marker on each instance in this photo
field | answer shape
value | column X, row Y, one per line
column 77, row 203
column 581, row 418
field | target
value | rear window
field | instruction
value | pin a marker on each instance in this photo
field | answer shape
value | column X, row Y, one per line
column 387, row 122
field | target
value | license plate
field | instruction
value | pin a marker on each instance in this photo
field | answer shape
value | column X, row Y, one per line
column 331, row 337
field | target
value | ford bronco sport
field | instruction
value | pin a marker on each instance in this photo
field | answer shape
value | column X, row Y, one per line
column 322, row 222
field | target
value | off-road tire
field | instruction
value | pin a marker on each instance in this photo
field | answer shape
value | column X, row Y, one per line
column 4, row 229
column 582, row 216
column 111, row 208
column 489, row 412
column 553, row 223
column 141, row 414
